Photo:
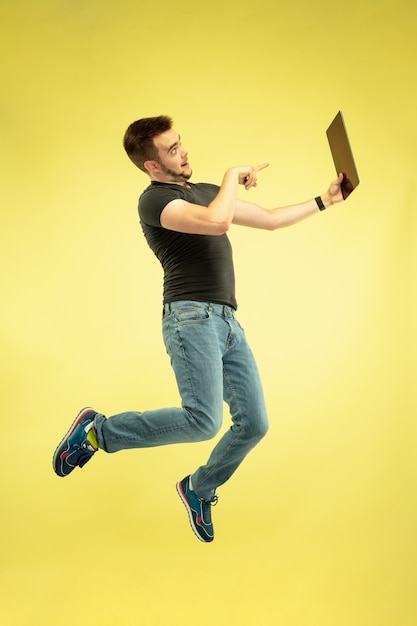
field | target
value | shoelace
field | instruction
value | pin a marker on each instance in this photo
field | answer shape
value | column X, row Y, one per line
column 86, row 452
column 206, row 506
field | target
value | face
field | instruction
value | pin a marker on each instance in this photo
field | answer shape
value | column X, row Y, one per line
column 172, row 165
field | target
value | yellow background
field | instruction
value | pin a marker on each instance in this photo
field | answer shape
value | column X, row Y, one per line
column 318, row 527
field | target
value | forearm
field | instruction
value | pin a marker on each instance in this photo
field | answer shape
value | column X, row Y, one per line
column 222, row 207
column 255, row 216
column 286, row 216
column 248, row 214
column 214, row 219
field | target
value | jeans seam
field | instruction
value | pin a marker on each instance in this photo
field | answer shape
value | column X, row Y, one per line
column 234, row 442
column 190, row 380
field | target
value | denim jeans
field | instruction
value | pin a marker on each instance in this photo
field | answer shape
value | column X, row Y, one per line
column 212, row 363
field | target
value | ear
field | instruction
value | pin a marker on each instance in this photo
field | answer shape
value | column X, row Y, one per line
column 151, row 166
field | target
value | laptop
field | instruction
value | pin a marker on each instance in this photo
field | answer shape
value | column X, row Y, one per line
column 342, row 155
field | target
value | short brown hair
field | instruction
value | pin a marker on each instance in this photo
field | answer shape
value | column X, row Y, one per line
column 138, row 139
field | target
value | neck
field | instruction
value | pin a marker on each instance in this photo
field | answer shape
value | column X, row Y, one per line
column 170, row 180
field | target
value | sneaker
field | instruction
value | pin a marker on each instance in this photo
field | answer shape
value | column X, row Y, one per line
column 199, row 510
column 75, row 449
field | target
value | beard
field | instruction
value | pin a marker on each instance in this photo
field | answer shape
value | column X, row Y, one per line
column 178, row 177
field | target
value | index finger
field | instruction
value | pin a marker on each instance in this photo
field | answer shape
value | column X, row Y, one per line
column 261, row 167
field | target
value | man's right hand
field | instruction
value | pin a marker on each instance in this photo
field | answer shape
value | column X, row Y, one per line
column 247, row 174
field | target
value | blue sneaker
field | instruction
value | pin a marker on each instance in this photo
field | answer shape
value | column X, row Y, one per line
column 75, row 449
column 199, row 510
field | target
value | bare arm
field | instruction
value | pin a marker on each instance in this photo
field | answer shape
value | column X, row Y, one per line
column 215, row 219
column 253, row 215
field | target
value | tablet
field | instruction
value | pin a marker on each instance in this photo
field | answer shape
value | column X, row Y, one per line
column 342, row 155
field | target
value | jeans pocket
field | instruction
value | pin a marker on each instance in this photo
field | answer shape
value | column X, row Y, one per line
column 191, row 314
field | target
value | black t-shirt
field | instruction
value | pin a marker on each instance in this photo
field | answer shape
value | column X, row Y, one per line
column 196, row 267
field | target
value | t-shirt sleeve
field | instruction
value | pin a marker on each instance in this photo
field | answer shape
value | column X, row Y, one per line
column 153, row 201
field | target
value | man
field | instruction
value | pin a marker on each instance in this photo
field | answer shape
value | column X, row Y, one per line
column 186, row 225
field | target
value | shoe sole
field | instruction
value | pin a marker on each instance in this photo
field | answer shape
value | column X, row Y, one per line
column 73, row 426
column 189, row 511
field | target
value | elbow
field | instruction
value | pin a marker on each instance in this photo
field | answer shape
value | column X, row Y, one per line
column 220, row 228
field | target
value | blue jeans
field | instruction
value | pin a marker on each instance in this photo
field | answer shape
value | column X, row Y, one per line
column 212, row 363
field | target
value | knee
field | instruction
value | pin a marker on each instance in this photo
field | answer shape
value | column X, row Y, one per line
column 258, row 429
column 204, row 426
column 263, row 428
